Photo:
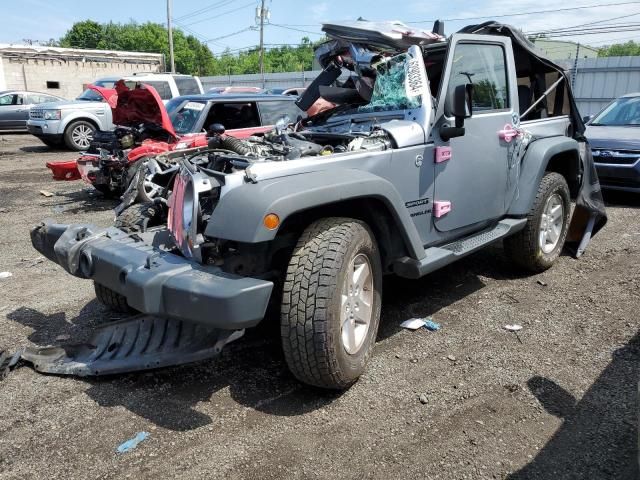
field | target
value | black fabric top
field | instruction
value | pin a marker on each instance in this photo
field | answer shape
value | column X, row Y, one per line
column 519, row 40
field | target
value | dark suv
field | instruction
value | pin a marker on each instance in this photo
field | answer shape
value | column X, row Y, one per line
column 614, row 135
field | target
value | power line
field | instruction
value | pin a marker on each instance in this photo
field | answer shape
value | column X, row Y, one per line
column 222, row 3
column 212, row 40
column 583, row 7
column 299, row 30
column 586, row 30
column 250, row 4
column 588, row 26
column 571, row 34
column 200, row 37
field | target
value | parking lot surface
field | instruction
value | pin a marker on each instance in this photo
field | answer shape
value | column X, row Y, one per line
column 472, row 400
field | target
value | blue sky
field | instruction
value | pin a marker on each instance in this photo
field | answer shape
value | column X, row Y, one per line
column 42, row 19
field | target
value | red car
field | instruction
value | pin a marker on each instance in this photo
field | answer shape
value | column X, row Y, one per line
column 146, row 128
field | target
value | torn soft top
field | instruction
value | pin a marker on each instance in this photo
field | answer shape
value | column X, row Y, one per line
column 390, row 35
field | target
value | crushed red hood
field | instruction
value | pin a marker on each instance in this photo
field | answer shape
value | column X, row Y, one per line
column 141, row 104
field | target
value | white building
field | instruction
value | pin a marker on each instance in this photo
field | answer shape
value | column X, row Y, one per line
column 66, row 71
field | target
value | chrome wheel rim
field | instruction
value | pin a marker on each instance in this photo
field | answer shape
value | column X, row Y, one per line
column 357, row 304
column 551, row 223
column 82, row 136
column 151, row 189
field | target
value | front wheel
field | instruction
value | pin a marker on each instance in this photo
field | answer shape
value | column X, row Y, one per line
column 79, row 134
column 539, row 244
column 331, row 303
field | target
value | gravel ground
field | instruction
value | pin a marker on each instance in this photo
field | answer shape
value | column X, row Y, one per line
column 557, row 401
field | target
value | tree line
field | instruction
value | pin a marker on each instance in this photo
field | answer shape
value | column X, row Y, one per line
column 192, row 56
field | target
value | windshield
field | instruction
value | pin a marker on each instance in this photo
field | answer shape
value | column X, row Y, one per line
column 90, row 96
column 105, row 83
column 184, row 115
column 622, row 112
column 392, row 89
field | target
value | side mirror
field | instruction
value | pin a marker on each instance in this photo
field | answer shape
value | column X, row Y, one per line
column 458, row 104
column 588, row 118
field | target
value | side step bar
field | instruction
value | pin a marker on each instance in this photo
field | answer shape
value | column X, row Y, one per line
column 437, row 257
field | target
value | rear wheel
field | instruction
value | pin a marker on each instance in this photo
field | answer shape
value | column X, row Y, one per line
column 78, row 135
column 331, row 303
column 539, row 244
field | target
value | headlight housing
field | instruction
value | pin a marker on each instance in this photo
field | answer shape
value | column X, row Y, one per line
column 184, row 211
column 51, row 114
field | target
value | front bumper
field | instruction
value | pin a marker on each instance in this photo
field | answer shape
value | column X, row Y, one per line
column 154, row 281
column 45, row 128
column 619, row 177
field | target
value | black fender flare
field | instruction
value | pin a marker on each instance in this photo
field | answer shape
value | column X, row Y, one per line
column 240, row 212
column 533, row 167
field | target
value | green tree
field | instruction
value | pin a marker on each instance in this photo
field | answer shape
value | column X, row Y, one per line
column 628, row 49
column 85, row 34
column 191, row 55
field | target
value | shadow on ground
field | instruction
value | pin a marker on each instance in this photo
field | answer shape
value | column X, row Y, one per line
column 38, row 149
column 599, row 436
column 84, row 200
column 614, row 198
column 253, row 368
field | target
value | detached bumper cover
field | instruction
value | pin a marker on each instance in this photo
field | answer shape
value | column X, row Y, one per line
column 153, row 281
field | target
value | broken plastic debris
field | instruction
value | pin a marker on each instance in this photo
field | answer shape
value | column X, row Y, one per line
column 416, row 323
column 46, row 193
column 8, row 362
column 431, row 325
column 412, row 324
column 133, row 443
column 513, row 328
column 6, row 274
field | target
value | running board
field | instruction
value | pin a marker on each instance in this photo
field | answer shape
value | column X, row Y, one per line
column 437, row 257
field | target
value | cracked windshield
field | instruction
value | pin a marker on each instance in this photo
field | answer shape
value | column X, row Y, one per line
column 391, row 90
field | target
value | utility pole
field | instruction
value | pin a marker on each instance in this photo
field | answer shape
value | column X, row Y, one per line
column 262, row 14
column 575, row 66
column 171, row 59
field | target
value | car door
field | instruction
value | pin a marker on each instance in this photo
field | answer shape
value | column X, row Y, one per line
column 472, row 179
column 13, row 113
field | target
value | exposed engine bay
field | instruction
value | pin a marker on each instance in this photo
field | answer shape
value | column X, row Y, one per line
column 280, row 145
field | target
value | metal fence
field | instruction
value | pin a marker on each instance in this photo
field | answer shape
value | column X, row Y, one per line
column 600, row 80
column 269, row 80
column 596, row 81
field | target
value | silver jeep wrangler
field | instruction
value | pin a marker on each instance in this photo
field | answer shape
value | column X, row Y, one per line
column 435, row 148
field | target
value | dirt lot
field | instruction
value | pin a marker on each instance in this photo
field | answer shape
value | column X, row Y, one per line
column 558, row 401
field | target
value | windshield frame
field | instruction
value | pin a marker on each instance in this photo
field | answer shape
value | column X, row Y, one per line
column 176, row 105
column 93, row 93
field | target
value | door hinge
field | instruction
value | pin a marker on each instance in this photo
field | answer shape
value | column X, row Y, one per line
column 441, row 208
column 443, row 154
